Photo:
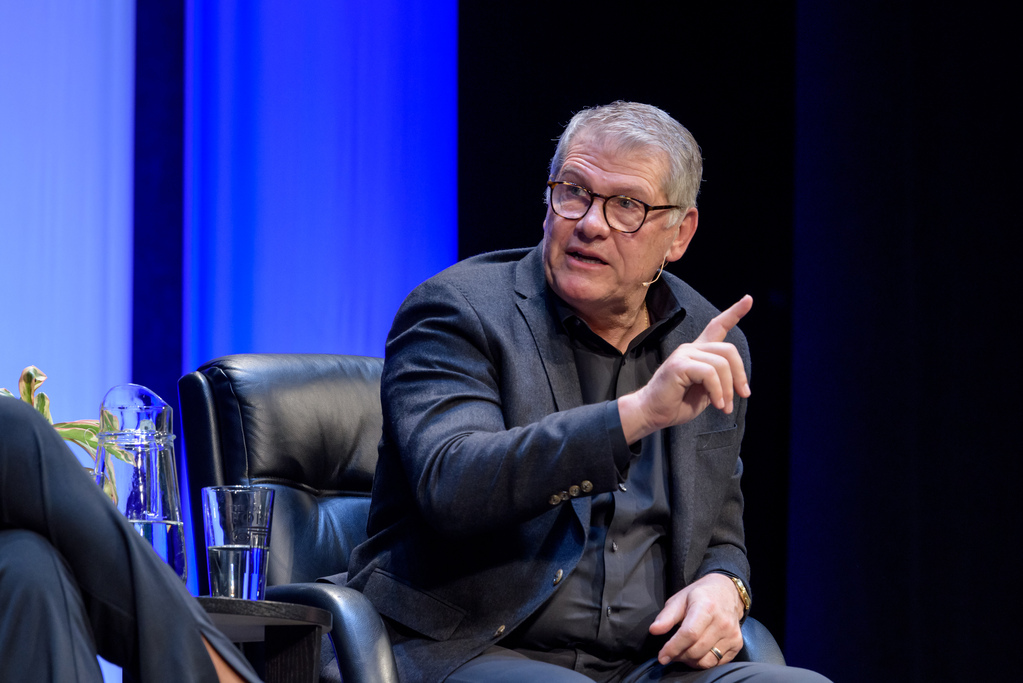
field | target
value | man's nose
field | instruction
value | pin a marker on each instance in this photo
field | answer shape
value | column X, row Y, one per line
column 593, row 223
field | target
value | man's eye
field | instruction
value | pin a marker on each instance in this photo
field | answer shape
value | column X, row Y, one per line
column 626, row 203
column 576, row 191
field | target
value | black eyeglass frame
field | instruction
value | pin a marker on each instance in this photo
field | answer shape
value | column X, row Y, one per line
column 647, row 208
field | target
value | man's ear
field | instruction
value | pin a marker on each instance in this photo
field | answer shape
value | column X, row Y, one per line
column 686, row 230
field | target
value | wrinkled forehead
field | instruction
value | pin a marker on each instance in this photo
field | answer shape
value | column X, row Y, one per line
column 629, row 153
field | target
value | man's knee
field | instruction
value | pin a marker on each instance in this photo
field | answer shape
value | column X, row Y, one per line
column 43, row 627
column 770, row 673
column 32, row 573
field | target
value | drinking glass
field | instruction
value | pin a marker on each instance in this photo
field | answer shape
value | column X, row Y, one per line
column 237, row 523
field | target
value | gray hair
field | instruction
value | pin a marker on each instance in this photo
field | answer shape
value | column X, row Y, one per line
column 629, row 126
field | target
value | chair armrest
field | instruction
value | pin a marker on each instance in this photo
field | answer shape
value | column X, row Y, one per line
column 759, row 645
column 360, row 639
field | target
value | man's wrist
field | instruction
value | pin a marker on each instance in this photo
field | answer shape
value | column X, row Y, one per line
column 744, row 596
column 745, row 600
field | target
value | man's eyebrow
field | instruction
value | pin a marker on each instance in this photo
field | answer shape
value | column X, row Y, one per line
column 579, row 177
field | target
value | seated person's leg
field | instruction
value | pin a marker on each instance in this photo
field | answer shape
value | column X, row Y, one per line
column 44, row 630
column 141, row 613
column 733, row 672
column 501, row 665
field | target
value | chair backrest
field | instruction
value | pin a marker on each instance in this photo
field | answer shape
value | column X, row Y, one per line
column 307, row 425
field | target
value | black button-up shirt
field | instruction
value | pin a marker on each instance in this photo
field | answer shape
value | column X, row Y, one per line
column 603, row 609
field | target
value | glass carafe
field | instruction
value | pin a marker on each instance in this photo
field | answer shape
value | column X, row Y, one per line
column 136, row 468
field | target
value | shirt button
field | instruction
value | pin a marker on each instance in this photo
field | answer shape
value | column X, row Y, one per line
column 614, row 546
column 622, row 487
column 609, row 611
column 557, row 577
column 586, row 485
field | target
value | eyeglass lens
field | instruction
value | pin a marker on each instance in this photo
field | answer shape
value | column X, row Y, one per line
column 621, row 213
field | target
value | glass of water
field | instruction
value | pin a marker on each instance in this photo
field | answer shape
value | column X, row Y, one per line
column 237, row 523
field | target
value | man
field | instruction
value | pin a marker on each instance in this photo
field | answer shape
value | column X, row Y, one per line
column 557, row 495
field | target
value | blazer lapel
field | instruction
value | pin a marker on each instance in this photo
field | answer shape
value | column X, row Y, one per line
column 553, row 348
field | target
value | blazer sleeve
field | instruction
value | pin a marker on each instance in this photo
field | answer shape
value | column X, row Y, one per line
column 471, row 419
column 718, row 452
column 726, row 549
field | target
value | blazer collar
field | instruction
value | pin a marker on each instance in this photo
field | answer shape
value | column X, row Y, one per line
column 551, row 343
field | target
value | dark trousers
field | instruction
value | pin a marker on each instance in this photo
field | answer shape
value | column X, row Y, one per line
column 502, row 665
column 76, row 580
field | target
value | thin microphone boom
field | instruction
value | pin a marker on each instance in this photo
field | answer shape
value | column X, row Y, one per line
column 663, row 262
column 659, row 271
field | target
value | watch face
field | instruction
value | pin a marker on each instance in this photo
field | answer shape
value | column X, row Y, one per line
column 743, row 593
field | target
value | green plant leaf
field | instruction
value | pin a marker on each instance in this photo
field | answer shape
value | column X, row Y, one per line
column 86, row 445
column 120, row 454
column 90, row 427
column 43, row 406
column 84, row 433
column 109, row 485
column 107, row 421
column 81, row 432
column 31, row 378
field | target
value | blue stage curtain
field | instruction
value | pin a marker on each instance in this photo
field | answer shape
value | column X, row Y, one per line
column 66, row 94
column 66, row 112
column 320, row 171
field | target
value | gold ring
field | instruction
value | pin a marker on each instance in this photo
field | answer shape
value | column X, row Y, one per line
column 717, row 653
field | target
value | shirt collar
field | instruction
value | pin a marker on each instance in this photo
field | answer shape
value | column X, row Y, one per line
column 665, row 315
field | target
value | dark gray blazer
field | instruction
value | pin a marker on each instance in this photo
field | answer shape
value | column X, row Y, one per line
column 484, row 428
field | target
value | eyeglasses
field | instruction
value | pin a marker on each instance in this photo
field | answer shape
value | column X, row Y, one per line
column 622, row 213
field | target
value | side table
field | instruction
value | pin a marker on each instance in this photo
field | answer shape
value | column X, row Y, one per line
column 290, row 633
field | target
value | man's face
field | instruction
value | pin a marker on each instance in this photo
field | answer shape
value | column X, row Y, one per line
column 598, row 271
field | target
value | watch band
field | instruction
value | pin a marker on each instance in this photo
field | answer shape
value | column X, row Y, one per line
column 743, row 594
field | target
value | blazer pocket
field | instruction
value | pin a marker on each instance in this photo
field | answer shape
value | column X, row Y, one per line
column 411, row 607
column 721, row 439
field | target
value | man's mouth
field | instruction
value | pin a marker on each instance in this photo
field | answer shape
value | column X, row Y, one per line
column 586, row 259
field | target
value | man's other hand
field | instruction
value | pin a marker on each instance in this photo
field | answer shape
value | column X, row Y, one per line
column 707, row 612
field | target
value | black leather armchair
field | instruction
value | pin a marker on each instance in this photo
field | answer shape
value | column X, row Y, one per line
column 308, row 426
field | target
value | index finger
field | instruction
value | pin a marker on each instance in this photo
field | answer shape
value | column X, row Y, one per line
column 723, row 323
